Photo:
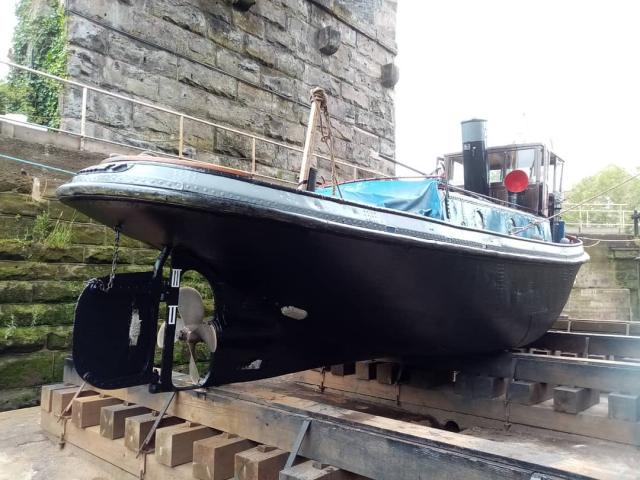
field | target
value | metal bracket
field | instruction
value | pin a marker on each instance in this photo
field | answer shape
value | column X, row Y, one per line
column 296, row 445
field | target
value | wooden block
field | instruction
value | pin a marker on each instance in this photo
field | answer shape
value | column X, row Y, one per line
column 479, row 386
column 45, row 395
column 213, row 458
column 387, row 372
column 174, row 445
column 61, row 398
column 624, row 407
column 343, row 369
column 312, row 470
column 112, row 419
column 574, row 400
column 85, row 411
column 260, row 463
column 136, row 429
column 366, row 370
column 528, row 393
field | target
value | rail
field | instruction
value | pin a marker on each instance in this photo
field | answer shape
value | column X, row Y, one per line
column 357, row 171
column 599, row 218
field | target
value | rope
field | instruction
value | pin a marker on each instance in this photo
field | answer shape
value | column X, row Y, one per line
column 36, row 164
column 573, row 207
column 318, row 95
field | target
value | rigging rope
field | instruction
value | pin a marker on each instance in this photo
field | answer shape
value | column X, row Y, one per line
column 573, row 207
column 318, row 95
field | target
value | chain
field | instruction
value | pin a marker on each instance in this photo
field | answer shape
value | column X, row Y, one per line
column 114, row 261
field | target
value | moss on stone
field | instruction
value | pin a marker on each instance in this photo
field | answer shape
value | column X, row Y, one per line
column 88, row 234
column 52, row 291
column 14, row 249
column 30, row 369
column 36, row 314
column 13, row 291
column 19, row 204
column 15, row 227
column 104, row 255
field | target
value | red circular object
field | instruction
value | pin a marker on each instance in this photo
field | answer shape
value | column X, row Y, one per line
column 516, row 181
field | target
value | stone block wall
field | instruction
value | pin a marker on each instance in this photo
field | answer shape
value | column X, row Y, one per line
column 251, row 70
column 606, row 287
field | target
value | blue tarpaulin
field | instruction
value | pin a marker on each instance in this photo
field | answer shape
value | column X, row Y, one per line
column 405, row 194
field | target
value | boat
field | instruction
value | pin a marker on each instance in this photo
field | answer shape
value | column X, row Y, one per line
column 415, row 267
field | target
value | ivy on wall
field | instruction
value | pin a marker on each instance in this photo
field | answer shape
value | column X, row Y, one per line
column 39, row 42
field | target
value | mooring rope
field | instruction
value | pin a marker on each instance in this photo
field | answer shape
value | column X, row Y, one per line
column 36, row 164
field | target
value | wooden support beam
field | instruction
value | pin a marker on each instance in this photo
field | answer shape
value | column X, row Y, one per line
column 590, row 344
column 260, row 463
column 429, row 378
column 366, row 370
column 312, row 470
column 574, row 400
column 85, row 411
column 354, row 442
column 528, row 393
column 112, row 419
column 174, row 445
column 60, row 398
column 45, row 395
column 136, row 429
column 624, row 407
column 214, row 457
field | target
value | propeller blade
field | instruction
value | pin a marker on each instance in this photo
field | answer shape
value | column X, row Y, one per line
column 191, row 307
column 193, row 368
column 207, row 334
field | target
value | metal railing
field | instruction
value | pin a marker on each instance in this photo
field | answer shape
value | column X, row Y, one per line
column 599, row 217
column 355, row 169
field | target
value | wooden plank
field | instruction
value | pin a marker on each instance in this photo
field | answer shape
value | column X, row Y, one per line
column 365, row 444
column 60, row 398
column 174, row 445
column 528, row 393
column 112, row 419
column 214, row 457
column 113, row 451
column 260, row 463
column 85, row 411
column 312, row 470
column 445, row 405
column 136, row 429
column 46, row 392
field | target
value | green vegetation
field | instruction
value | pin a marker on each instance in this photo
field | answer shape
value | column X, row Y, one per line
column 55, row 235
column 39, row 42
column 612, row 175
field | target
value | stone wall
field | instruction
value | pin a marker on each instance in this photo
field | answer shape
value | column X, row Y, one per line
column 607, row 286
column 249, row 69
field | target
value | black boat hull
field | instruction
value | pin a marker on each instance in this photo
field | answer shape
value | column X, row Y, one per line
column 366, row 294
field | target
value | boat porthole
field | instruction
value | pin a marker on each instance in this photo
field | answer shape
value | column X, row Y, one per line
column 479, row 219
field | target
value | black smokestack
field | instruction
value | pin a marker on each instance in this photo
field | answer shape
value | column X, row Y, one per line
column 474, row 156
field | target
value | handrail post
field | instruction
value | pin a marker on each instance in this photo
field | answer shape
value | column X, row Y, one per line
column 83, row 117
column 355, row 172
column 253, row 155
column 181, row 136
